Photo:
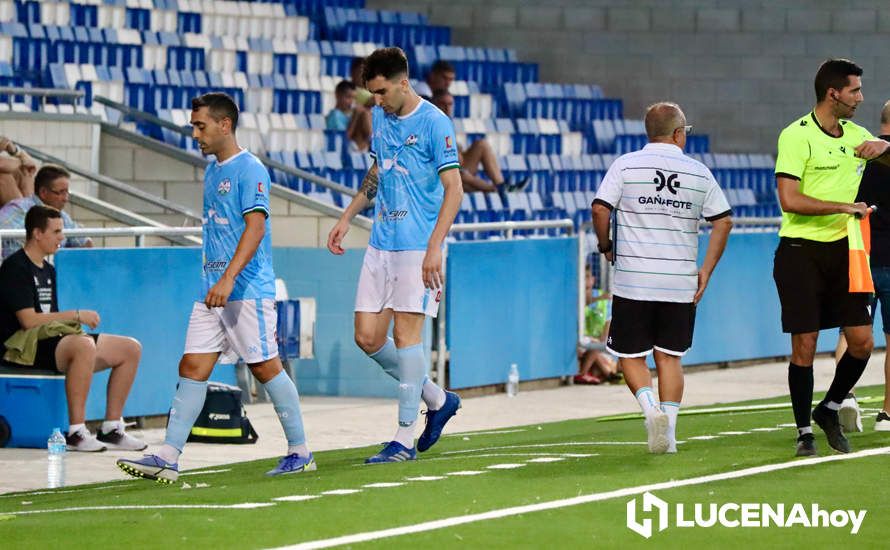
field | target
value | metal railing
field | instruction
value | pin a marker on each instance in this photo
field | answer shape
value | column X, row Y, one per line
column 139, row 233
column 269, row 162
column 42, row 93
column 119, row 186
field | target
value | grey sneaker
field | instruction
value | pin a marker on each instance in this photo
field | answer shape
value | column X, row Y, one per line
column 119, row 439
column 849, row 414
column 806, row 446
column 657, row 433
column 83, row 441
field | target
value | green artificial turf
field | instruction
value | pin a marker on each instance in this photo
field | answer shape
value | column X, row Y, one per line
column 595, row 457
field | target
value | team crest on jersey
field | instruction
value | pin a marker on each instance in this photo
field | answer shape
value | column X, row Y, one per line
column 412, row 139
column 224, row 186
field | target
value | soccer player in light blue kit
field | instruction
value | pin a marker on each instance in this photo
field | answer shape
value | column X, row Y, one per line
column 416, row 182
column 235, row 314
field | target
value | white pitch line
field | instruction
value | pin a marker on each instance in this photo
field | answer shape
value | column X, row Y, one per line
column 241, row 506
column 493, row 432
column 493, row 455
column 204, row 472
column 540, row 445
column 733, row 433
column 766, row 429
column 295, row 498
column 703, row 437
column 341, row 492
column 383, row 484
column 425, row 478
column 546, row 459
column 465, row 473
column 575, row 501
column 505, row 466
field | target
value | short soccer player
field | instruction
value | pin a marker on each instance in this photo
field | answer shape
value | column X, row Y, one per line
column 416, row 182
column 236, row 312
column 819, row 165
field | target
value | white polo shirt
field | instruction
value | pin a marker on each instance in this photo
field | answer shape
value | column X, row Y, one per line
column 659, row 195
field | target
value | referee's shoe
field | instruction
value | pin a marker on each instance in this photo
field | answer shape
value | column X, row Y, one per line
column 828, row 420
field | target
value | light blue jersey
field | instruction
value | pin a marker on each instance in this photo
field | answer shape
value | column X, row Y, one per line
column 231, row 190
column 410, row 151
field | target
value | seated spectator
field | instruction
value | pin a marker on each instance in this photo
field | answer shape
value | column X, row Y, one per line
column 439, row 79
column 51, row 186
column 341, row 114
column 35, row 333
column 363, row 97
column 480, row 152
column 17, row 171
column 595, row 365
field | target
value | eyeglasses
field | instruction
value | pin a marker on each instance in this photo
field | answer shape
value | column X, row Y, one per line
column 687, row 129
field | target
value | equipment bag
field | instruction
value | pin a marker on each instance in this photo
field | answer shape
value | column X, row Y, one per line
column 223, row 419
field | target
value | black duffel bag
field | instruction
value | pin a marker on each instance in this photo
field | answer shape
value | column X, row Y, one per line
column 223, row 419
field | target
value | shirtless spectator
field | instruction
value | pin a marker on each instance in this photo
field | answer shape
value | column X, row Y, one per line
column 17, row 170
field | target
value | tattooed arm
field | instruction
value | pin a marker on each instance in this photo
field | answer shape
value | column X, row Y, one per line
column 362, row 200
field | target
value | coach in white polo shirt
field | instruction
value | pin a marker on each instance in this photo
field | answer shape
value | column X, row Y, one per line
column 659, row 195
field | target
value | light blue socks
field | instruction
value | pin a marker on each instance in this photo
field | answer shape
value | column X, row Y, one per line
column 187, row 405
column 286, row 401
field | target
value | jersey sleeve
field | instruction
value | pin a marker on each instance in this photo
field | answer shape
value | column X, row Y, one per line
column 611, row 187
column 793, row 152
column 443, row 144
column 715, row 205
column 253, row 189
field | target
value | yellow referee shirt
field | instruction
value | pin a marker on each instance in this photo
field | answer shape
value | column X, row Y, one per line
column 828, row 170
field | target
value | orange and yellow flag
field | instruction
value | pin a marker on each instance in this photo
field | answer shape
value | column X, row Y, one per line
column 859, row 239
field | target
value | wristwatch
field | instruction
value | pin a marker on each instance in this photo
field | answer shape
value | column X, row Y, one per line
column 605, row 248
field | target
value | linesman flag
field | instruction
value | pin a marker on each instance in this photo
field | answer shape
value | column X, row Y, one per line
column 859, row 238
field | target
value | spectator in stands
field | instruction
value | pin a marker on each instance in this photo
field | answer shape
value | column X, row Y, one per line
column 341, row 115
column 17, row 171
column 439, row 79
column 35, row 333
column 359, row 129
column 51, row 186
column 480, row 152
column 595, row 365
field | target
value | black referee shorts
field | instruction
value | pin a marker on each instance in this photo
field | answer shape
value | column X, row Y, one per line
column 813, row 280
column 639, row 326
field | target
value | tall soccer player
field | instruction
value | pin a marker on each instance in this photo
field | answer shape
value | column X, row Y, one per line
column 416, row 181
column 235, row 313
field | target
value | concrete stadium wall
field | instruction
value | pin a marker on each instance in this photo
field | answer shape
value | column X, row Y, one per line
column 742, row 70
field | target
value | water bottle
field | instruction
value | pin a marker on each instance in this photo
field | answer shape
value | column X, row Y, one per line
column 513, row 381
column 55, row 466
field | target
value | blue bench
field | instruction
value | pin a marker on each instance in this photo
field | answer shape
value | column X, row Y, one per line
column 32, row 402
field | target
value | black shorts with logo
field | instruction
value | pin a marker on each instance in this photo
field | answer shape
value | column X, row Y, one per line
column 639, row 326
column 813, row 280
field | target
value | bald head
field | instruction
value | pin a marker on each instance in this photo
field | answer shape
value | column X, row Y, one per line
column 885, row 114
column 662, row 119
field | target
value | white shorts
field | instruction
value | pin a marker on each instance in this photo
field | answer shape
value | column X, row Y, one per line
column 243, row 328
column 394, row 280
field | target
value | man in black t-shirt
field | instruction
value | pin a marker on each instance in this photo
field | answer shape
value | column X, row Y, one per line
column 28, row 300
column 875, row 190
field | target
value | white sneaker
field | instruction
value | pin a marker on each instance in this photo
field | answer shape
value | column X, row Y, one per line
column 882, row 422
column 120, row 439
column 657, row 432
column 83, row 441
column 849, row 415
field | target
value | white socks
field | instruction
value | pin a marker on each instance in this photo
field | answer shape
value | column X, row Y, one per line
column 647, row 401
column 405, row 436
column 671, row 409
column 169, row 453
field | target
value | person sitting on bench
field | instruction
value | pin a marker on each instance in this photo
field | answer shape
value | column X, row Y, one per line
column 28, row 302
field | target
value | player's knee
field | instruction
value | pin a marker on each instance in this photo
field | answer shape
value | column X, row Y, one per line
column 84, row 345
column 861, row 348
column 367, row 342
column 191, row 370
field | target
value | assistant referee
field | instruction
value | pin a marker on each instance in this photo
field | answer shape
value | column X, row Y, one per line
column 821, row 157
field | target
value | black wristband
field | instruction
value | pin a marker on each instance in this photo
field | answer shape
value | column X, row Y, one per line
column 605, row 249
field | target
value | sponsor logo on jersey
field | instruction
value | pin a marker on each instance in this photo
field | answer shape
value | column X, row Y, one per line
column 392, row 215
column 259, row 187
column 448, row 144
column 671, row 182
column 224, row 186
column 215, row 265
